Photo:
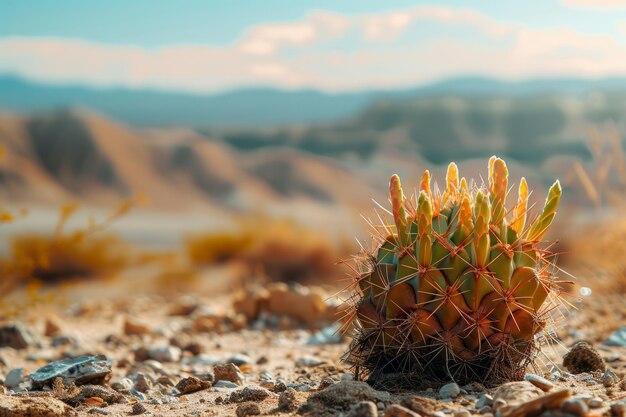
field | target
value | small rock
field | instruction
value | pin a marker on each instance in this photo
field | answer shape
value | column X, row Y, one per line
column 461, row 413
column 53, row 326
column 63, row 340
column 539, row 382
column 595, row 403
column 142, row 383
column 228, row 372
column 14, row 378
column 363, row 409
column 81, row 370
column 617, row 338
column 98, row 411
column 583, row 357
column 287, row 400
column 184, row 307
column 92, row 393
column 16, row 335
column 225, row 384
column 451, row 390
column 575, row 406
column 484, row 410
column 514, row 393
column 192, row 384
column 250, row 393
column 395, row 410
column 135, row 327
column 165, row 353
column 124, row 384
column 618, row 409
column 327, row 335
column 138, row 408
column 239, row 359
column 325, row 383
column 248, row 409
column 309, row 361
column 609, row 378
column 484, row 400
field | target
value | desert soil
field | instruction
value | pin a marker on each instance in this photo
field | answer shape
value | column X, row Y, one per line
column 192, row 355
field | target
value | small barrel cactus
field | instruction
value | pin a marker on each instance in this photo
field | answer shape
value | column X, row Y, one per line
column 460, row 287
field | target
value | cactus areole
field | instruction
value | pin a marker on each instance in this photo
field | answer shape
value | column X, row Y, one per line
column 460, row 287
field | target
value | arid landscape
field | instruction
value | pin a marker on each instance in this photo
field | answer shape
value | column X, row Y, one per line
column 355, row 209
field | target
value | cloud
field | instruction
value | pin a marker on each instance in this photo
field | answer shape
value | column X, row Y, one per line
column 327, row 51
column 595, row 4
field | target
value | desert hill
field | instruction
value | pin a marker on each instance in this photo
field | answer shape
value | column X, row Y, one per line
column 76, row 154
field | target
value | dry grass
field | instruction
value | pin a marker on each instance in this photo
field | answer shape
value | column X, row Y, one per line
column 86, row 252
column 281, row 249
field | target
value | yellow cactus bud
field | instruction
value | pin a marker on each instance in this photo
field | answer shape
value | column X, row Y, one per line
column 519, row 221
column 543, row 222
column 399, row 213
column 498, row 183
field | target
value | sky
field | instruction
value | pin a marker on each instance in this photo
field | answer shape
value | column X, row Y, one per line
column 335, row 46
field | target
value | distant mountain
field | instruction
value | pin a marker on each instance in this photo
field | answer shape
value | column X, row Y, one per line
column 65, row 155
column 265, row 106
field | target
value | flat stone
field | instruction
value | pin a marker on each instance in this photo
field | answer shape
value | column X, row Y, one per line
column 575, row 406
column 536, row 406
column 540, row 382
column 515, row 393
column 225, row 384
column 81, row 370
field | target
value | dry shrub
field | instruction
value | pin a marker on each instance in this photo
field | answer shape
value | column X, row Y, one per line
column 62, row 255
column 281, row 249
column 52, row 258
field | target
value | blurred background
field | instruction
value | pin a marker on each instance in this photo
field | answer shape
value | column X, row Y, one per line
column 237, row 139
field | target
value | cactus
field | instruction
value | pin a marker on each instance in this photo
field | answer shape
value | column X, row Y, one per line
column 460, row 288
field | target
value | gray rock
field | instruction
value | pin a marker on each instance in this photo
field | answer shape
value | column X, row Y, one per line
column 82, row 370
column 64, row 340
column 617, row 338
column 540, row 382
column 124, row 384
column 16, row 335
column 309, row 361
column 609, row 378
column 327, row 335
column 14, row 378
column 451, row 390
column 239, row 359
column 225, row 384
column 484, row 400
column 165, row 353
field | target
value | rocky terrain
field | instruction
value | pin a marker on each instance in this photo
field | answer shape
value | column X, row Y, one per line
column 270, row 350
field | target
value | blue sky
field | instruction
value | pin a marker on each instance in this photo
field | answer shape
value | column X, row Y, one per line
column 206, row 46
